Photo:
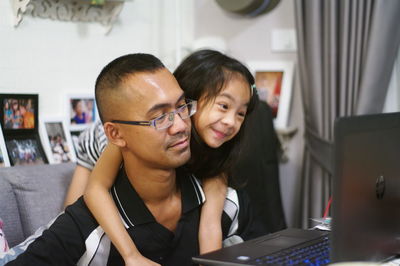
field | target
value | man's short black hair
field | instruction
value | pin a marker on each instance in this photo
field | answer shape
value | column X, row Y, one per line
column 112, row 76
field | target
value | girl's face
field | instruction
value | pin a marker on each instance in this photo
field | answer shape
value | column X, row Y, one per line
column 219, row 120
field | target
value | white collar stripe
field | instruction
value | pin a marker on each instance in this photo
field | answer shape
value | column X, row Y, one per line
column 199, row 191
column 92, row 243
column 122, row 208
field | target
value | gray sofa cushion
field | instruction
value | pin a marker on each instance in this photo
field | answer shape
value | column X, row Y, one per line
column 9, row 213
column 39, row 192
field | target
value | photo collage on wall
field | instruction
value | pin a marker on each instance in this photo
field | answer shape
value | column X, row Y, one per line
column 19, row 124
column 27, row 140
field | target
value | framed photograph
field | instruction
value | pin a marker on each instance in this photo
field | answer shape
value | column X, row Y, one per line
column 4, row 161
column 274, row 86
column 81, row 110
column 75, row 139
column 56, row 140
column 25, row 151
column 19, row 113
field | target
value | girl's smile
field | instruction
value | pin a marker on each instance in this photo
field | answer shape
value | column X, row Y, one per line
column 220, row 119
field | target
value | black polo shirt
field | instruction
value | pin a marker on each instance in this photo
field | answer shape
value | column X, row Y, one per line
column 75, row 238
column 152, row 239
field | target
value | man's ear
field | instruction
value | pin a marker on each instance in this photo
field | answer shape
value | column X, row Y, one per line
column 114, row 134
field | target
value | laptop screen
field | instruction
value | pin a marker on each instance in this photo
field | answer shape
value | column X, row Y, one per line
column 366, row 193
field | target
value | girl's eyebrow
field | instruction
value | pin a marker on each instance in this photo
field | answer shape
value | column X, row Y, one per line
column 224, row 94
column 227, row 96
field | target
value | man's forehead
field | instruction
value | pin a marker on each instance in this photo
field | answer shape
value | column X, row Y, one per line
column 148, row 82
column 151, row 88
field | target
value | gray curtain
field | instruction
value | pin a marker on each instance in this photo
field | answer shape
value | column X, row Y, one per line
column 346, row 53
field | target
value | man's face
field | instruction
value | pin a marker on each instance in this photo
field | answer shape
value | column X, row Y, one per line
column 149, row 95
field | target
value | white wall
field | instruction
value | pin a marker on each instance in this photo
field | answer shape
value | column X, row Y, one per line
column 248, row 39
column 56, row 58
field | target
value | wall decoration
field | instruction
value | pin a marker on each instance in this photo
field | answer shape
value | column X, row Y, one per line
column 19, row 113
column 19, row 120
column 56, row 140
column 274, row 86
column 25, row 151
column 75, row 140
column 81, row 110
column 69, row 10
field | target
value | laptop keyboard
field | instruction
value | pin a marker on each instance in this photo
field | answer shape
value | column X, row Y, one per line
column 313, row 253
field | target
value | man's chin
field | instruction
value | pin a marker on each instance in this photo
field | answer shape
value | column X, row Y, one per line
column 181, row 159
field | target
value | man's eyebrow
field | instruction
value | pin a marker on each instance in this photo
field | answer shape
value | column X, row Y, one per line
column 181, row 98
column 231, row 98
column 161, row 106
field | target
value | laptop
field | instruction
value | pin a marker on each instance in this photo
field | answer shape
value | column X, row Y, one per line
column 366, row 188
column 366, row 204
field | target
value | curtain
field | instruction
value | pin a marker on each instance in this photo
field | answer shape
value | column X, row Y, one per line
column 346, row 52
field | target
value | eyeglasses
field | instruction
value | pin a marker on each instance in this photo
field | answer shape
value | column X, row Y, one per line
column 165, row 120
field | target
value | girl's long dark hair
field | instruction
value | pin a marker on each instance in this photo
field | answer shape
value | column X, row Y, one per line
column 203, row 74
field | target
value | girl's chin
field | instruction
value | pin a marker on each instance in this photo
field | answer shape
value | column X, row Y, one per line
column 214, row 143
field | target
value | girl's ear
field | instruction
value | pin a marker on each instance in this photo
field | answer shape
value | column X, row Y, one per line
column 114, row 134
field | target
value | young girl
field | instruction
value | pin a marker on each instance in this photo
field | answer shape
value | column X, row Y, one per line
column 223, row 88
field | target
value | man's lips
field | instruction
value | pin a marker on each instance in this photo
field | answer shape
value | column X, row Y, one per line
column 183, row 143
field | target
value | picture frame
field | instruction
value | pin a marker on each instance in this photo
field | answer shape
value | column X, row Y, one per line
column 25, row 150
column 274, row 82
column 19, row 114
column 4, row 160
column 81, row 110
column 56, row 139
column 75, row 140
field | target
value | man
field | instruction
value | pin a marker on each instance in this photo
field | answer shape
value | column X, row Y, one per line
column 159, row 205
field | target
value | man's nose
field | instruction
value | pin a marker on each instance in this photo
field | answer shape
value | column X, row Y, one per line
column 179, row 124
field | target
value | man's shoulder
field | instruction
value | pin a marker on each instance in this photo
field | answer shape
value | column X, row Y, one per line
column 80, row 212
column 72, row 238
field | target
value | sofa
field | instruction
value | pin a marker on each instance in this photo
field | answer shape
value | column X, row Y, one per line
column 31, row 196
